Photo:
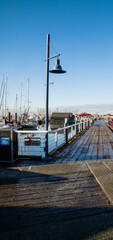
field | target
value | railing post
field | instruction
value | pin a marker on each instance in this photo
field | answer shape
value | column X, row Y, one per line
column 79, row 127
column 85, row 123
column 56, row 139
column 65, row 131
column 82, row 125
column 88, row 122
column 91, row 122
column 75, row 127
column 71, row 132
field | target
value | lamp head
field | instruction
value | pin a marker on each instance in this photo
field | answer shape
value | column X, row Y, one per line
column 57, row 68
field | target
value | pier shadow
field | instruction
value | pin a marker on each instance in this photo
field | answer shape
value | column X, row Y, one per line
column 56, row 223
column 14, row 176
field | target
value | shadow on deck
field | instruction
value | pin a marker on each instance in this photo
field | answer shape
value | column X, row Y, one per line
column 55, row 223
column 55, row 202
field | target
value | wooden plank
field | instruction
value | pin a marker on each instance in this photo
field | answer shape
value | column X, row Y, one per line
column 53, row 192
column 95, row 144
column 65, row 195
column 78, row 148
column 104, row 177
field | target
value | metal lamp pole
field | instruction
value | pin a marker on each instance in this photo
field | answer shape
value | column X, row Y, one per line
column 47, row 95
column 57, row 69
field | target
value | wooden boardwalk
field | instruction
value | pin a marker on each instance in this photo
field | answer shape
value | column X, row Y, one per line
column 50, row 193
column 70, row 200
column 95, row 144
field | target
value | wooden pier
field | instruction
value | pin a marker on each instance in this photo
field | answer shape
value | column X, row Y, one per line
column 71, row 198
column 95, row 144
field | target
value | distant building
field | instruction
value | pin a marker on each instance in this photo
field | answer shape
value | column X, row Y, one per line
column 60, row 117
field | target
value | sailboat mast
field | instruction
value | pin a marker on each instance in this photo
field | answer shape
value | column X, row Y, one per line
column 6, row 97
column 21, row 101
column 28, row 97
column 2, row 96
column 16, row 103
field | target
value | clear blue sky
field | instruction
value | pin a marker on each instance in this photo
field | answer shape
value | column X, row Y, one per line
column 80, row 30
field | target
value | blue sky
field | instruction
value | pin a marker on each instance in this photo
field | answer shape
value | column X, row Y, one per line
column 80, row 30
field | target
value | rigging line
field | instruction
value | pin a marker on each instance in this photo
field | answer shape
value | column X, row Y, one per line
column 2, row 86
column 53, row 48
column 2, row 97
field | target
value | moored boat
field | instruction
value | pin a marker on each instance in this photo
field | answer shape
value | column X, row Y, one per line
column 27, row 127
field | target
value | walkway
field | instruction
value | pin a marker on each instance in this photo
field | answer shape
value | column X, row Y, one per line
column 70, row 200
column 56, row 201
column 95, row 144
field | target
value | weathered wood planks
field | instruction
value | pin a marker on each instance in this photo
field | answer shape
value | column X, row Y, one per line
column 95, row 144
column 56, row 192
column 59, row 192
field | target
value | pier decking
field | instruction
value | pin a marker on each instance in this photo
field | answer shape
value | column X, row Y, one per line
column 70, row 200
column 95, row 144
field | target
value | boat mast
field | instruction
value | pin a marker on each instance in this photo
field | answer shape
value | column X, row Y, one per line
column 2, row 96
column 21, row 103
column 16, row 103
column 6, row 97
column 28, row 97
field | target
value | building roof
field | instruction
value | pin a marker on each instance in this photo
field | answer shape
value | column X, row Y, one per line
column 108, row 114
column 60, row 115
column 83, row 114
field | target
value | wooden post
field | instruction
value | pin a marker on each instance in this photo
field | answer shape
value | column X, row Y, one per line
column 15, row 117
column 9, row 116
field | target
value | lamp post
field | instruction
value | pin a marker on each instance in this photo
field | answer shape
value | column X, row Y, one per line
column 57, row 69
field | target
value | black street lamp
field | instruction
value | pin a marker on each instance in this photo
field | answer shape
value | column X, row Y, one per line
column 58, row 70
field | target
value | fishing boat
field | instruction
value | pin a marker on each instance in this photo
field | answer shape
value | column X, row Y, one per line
column 27, row 127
